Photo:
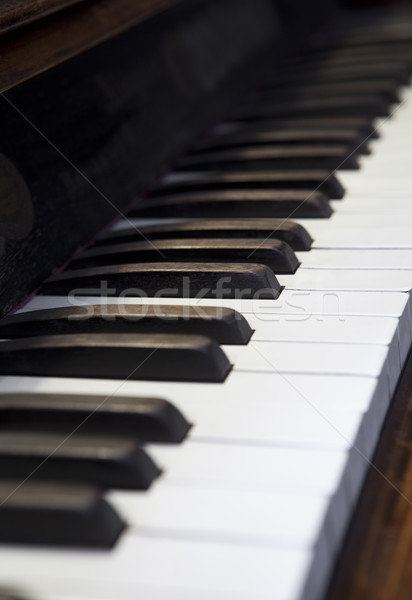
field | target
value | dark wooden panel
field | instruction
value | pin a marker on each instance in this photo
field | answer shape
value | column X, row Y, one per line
column 376, row 563
column 49, row 42
column 15, row 13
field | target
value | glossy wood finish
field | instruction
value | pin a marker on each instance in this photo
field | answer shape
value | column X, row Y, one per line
column 75, row 26
column 376, row 562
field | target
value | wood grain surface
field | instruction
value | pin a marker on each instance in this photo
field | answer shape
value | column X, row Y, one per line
column 376, row 562
column 49, row 41
column 16, row 13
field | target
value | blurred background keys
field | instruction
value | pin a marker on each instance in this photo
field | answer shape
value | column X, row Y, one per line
column 271, row 157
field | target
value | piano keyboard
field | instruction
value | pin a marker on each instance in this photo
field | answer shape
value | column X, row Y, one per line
column 255, row 501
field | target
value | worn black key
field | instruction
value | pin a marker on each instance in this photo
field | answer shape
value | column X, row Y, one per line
column 398, row 51
column 56, row 514
column 113, row 356
column 267, row 180
column 237, row 204
column 168, row 279
column 377, row 33
column 106, row 462
column 145, row 419
column 292, row 233
column 362, row 106
column 224, row 325
column 298, row 136
column 314, row 73
column 350, row 56
column 381, row 87
column 363, row 125
column 372, row 35
column 344, row 60
column 11, row 595
column 288, row 156
column 274, row 253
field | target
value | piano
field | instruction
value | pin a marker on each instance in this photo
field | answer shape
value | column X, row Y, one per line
column 206, row 266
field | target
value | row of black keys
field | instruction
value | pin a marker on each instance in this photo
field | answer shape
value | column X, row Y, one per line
column 272, row 160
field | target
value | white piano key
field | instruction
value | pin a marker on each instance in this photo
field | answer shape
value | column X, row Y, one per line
column 379, row 185
column 399, row 259
column 294, row 521
column 385, row 237
column 306, row 357
column 332, row 329
column 350, row 280
column 148, row 566
column 242, row 467
column 370, row 205
column 238, row 468
column 398, row 167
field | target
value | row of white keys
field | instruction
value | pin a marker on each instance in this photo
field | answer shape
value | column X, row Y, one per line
column 392, row 258
column 207, row 465
column 159, row 568
column 338, row 343
column 293, row 305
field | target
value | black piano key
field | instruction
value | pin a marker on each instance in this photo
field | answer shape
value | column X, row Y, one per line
column 363, row 125
column 371, row 36
column 366, row 56
column 171, row 279
column 275, row 254
column 346, row 60
column 56, row 514
column 292, row 233
column 362, row 106
column 11, row 595
column 393, row 70
column 106, row 462
column 113, row 356
column 401, row 48
column 298, row 136
column 300, row 179
column 381, row 87
column 224, row 325
column 145, row 419
column 271, row 158
column 238, row 204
